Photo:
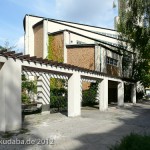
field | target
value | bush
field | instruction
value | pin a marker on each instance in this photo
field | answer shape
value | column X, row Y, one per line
column 25, row 98
column 133, row 142
column 58, row 98
column 139, row 94
column 89, row 96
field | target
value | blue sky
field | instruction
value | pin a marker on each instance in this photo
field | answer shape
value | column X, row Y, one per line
column 93, row 12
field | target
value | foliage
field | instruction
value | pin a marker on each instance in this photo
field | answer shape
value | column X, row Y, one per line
column 58, row 98
column 25, row 98
column 133, row 142
column 30, row 86
column 137, row 32
column 139, row 95
column 55, row 51
column 89, row 96
column 57, row 83
column 27, row 87
column 55, row 57
column 7, row 46
column 50, row 48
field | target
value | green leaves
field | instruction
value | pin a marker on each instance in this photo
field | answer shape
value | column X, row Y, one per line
column 135, row 26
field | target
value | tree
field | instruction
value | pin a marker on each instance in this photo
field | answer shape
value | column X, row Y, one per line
column 134, row 24
column 7, row 46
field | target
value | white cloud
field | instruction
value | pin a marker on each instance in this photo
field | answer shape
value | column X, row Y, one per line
column 95, row 12
column 20, row 44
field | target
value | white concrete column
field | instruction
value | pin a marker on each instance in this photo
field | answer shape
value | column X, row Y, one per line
column 103, row 54
column 66, row 41
column 97, row 58
column 45, row 38
column 10, row 96
column 133, row 93
column 74, row 95
column 103, row 94
column 43, row 90
column 120, row 93
column 120, row 64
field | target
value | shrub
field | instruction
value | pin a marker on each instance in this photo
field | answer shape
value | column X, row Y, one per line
column 89, row 96
column 58, row 98
column 139, row 94
column 25, row 98
column 133, row 142
column 28, row 87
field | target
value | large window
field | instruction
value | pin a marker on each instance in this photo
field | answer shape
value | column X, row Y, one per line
column 112, row 61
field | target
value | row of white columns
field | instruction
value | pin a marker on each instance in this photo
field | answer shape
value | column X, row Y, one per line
column 10, row 95
column 74, row 94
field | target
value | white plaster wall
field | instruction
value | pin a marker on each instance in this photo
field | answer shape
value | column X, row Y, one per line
column 92, row 28
column 74, row 95
column 29, row 34
column 45, row 36
column 133, row 93
column 10, row 96
column 53, row 27
column 43, row 88
column 74, row 38
column 2, row 101
column 121, row 93
column 112, row 55
column 103, row 94
column 97, row 58
column 66, row 42
column 103, row 59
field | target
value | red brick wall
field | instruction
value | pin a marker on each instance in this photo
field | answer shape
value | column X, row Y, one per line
column 38, row 41
column 81, row 57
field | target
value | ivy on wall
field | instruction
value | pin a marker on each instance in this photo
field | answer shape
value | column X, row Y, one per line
column 50, row 47
column 55, row 49
column 55, row 53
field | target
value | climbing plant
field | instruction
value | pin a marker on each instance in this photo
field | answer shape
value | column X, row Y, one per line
column 55, row 49
column 28, row 87
column 55, row 53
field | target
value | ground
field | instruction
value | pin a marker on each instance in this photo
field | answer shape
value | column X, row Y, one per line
column 93, row 130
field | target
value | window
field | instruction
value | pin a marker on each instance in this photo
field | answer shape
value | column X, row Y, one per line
column 112, row 61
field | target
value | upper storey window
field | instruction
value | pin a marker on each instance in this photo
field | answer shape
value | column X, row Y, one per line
column 112, row 61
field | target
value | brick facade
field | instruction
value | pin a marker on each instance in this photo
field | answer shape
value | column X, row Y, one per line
column 82, row 57
column 112, row 70
column 38, row 41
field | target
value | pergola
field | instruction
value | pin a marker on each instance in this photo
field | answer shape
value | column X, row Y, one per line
column 13, row 65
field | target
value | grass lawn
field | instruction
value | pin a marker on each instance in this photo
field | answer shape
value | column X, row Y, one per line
column 133, row 142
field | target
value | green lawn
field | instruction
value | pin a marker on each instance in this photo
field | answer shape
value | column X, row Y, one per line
column 133, row 142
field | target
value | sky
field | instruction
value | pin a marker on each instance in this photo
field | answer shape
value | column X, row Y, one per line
column 93, row 12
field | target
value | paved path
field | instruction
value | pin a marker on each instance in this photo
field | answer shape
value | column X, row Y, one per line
column 94, row 130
